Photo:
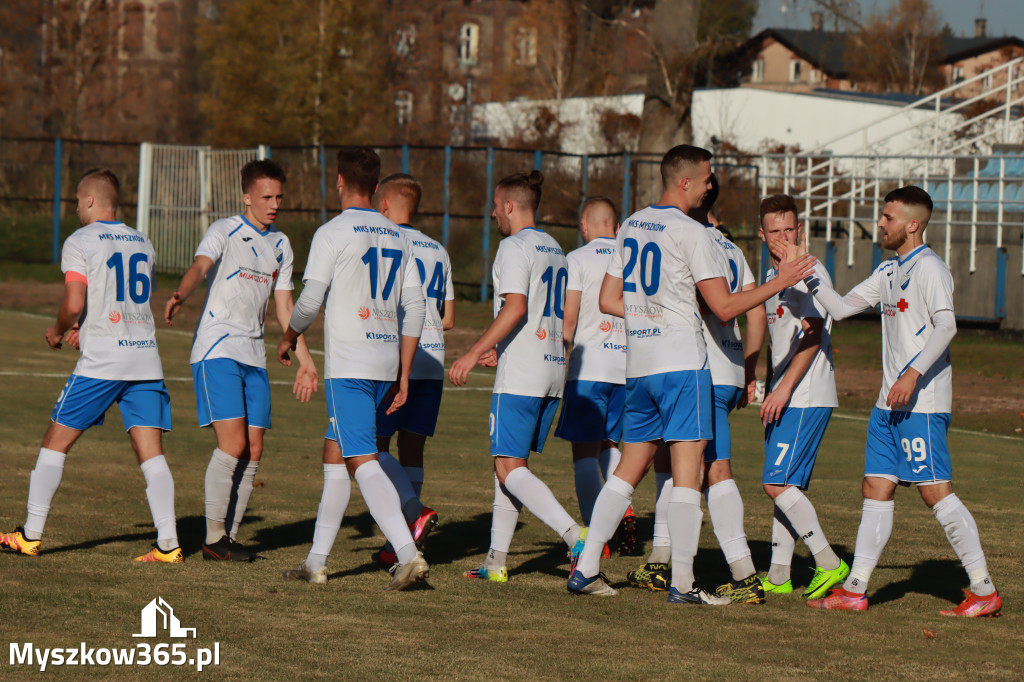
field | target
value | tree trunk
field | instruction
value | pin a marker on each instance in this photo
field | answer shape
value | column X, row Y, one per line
column 667, row 97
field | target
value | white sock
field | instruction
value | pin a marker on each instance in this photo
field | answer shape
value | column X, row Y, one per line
column 962, row 532
column 609, row 459
column 160, row 493
column 333, row 503
column 382, row 501
column 872, row 536
column 588, row 485
column 503, row 525
column 538, row 498
column 800, row 512
column 726, row 509
column 410, row 503
column 42, row 486
column 684, row 518
column 245, row 487
column 783, row 546
column 611, row 504
column 661, row 552
column 415, row 475
column 219, row 474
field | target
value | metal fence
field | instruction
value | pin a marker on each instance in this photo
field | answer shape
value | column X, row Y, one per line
column 39, row 178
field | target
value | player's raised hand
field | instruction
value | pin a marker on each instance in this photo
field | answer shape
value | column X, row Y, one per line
column 53, row 338
column 306, row 383
column 902, row 390
column 792, row 271
column 282, row 351
column 172, row 308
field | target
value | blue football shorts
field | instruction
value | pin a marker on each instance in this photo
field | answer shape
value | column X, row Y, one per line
column 84, row 401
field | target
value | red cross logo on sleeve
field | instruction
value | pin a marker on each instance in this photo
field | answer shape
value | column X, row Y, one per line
column 780, row 311
column 903, row 305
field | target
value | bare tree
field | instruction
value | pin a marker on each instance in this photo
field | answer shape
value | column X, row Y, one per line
column 899, row 49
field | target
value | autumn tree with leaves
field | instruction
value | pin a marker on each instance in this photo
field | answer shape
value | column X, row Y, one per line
column 294, row 73
column 898, row 50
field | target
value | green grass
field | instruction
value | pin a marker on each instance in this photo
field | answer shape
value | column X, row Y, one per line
column 85, row 588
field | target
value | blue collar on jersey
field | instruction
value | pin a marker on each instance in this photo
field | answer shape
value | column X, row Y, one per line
column 406, row 226
column 109, row 222
column 246, row 221
column 911, row 254
column 531, row 227
column 357, row 208
column 596, row 238
column 663, row 208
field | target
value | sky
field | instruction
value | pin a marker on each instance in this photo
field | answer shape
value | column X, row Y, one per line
column 1005, row 17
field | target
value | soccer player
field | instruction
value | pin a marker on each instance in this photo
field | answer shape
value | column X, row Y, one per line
column 663, row 258
column 364, row 267
column 595, row 389
column 906, row 439
column 108, row 277
column 244, row 260
column 796, row 410
column 525, row 342
column 399, row 198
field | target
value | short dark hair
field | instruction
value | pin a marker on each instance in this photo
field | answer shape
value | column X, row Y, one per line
column 911, row 195
column 359, row 167
column 405, row 186
column 524, row 188
column 106, row 177
column 259, row 169
column 777, row 203
column 680, row 156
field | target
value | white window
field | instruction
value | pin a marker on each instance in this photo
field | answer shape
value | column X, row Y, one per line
column 815, row 76
column 757, row 73
column 469, row 44
column 403, row 107
column 958, row 74
column 986, row 82
column 526, row 46
column 794, row 71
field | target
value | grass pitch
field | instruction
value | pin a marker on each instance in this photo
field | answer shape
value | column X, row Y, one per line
column 85, row 588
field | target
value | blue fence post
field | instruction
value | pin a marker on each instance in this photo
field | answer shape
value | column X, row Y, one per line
column 538, row 159
column 830, row 259
column 405, row 158
column 485, row 256
column 1000, row 311
column 876, row 255
column 445, row 221
column 323, row 185
column 57, row 174
column 765, row 261
column 627, row 160
column 584, row 190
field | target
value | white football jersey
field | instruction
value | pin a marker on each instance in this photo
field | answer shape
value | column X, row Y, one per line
column 723, row 339
column 910, row 290
column 248, row 266
column 531, row 359
column 661, row 254
column 116, row 333
column 435, row 270
column 786, row 310
column 599, row 346
column 366, row 262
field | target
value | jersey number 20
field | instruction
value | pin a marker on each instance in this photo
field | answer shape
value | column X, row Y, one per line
column 650, row 266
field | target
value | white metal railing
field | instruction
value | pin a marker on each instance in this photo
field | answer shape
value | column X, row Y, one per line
column 982, row 194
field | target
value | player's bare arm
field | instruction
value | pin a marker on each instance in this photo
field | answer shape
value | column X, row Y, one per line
column 448, row 315
column 505, row 321
column 610, row 299
column 306, row 378
column 571, row 316
column 70, row 310
column 189, row 283
column 726, row 305
column 399, row 391
column 757, row 325
column 776, row 401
